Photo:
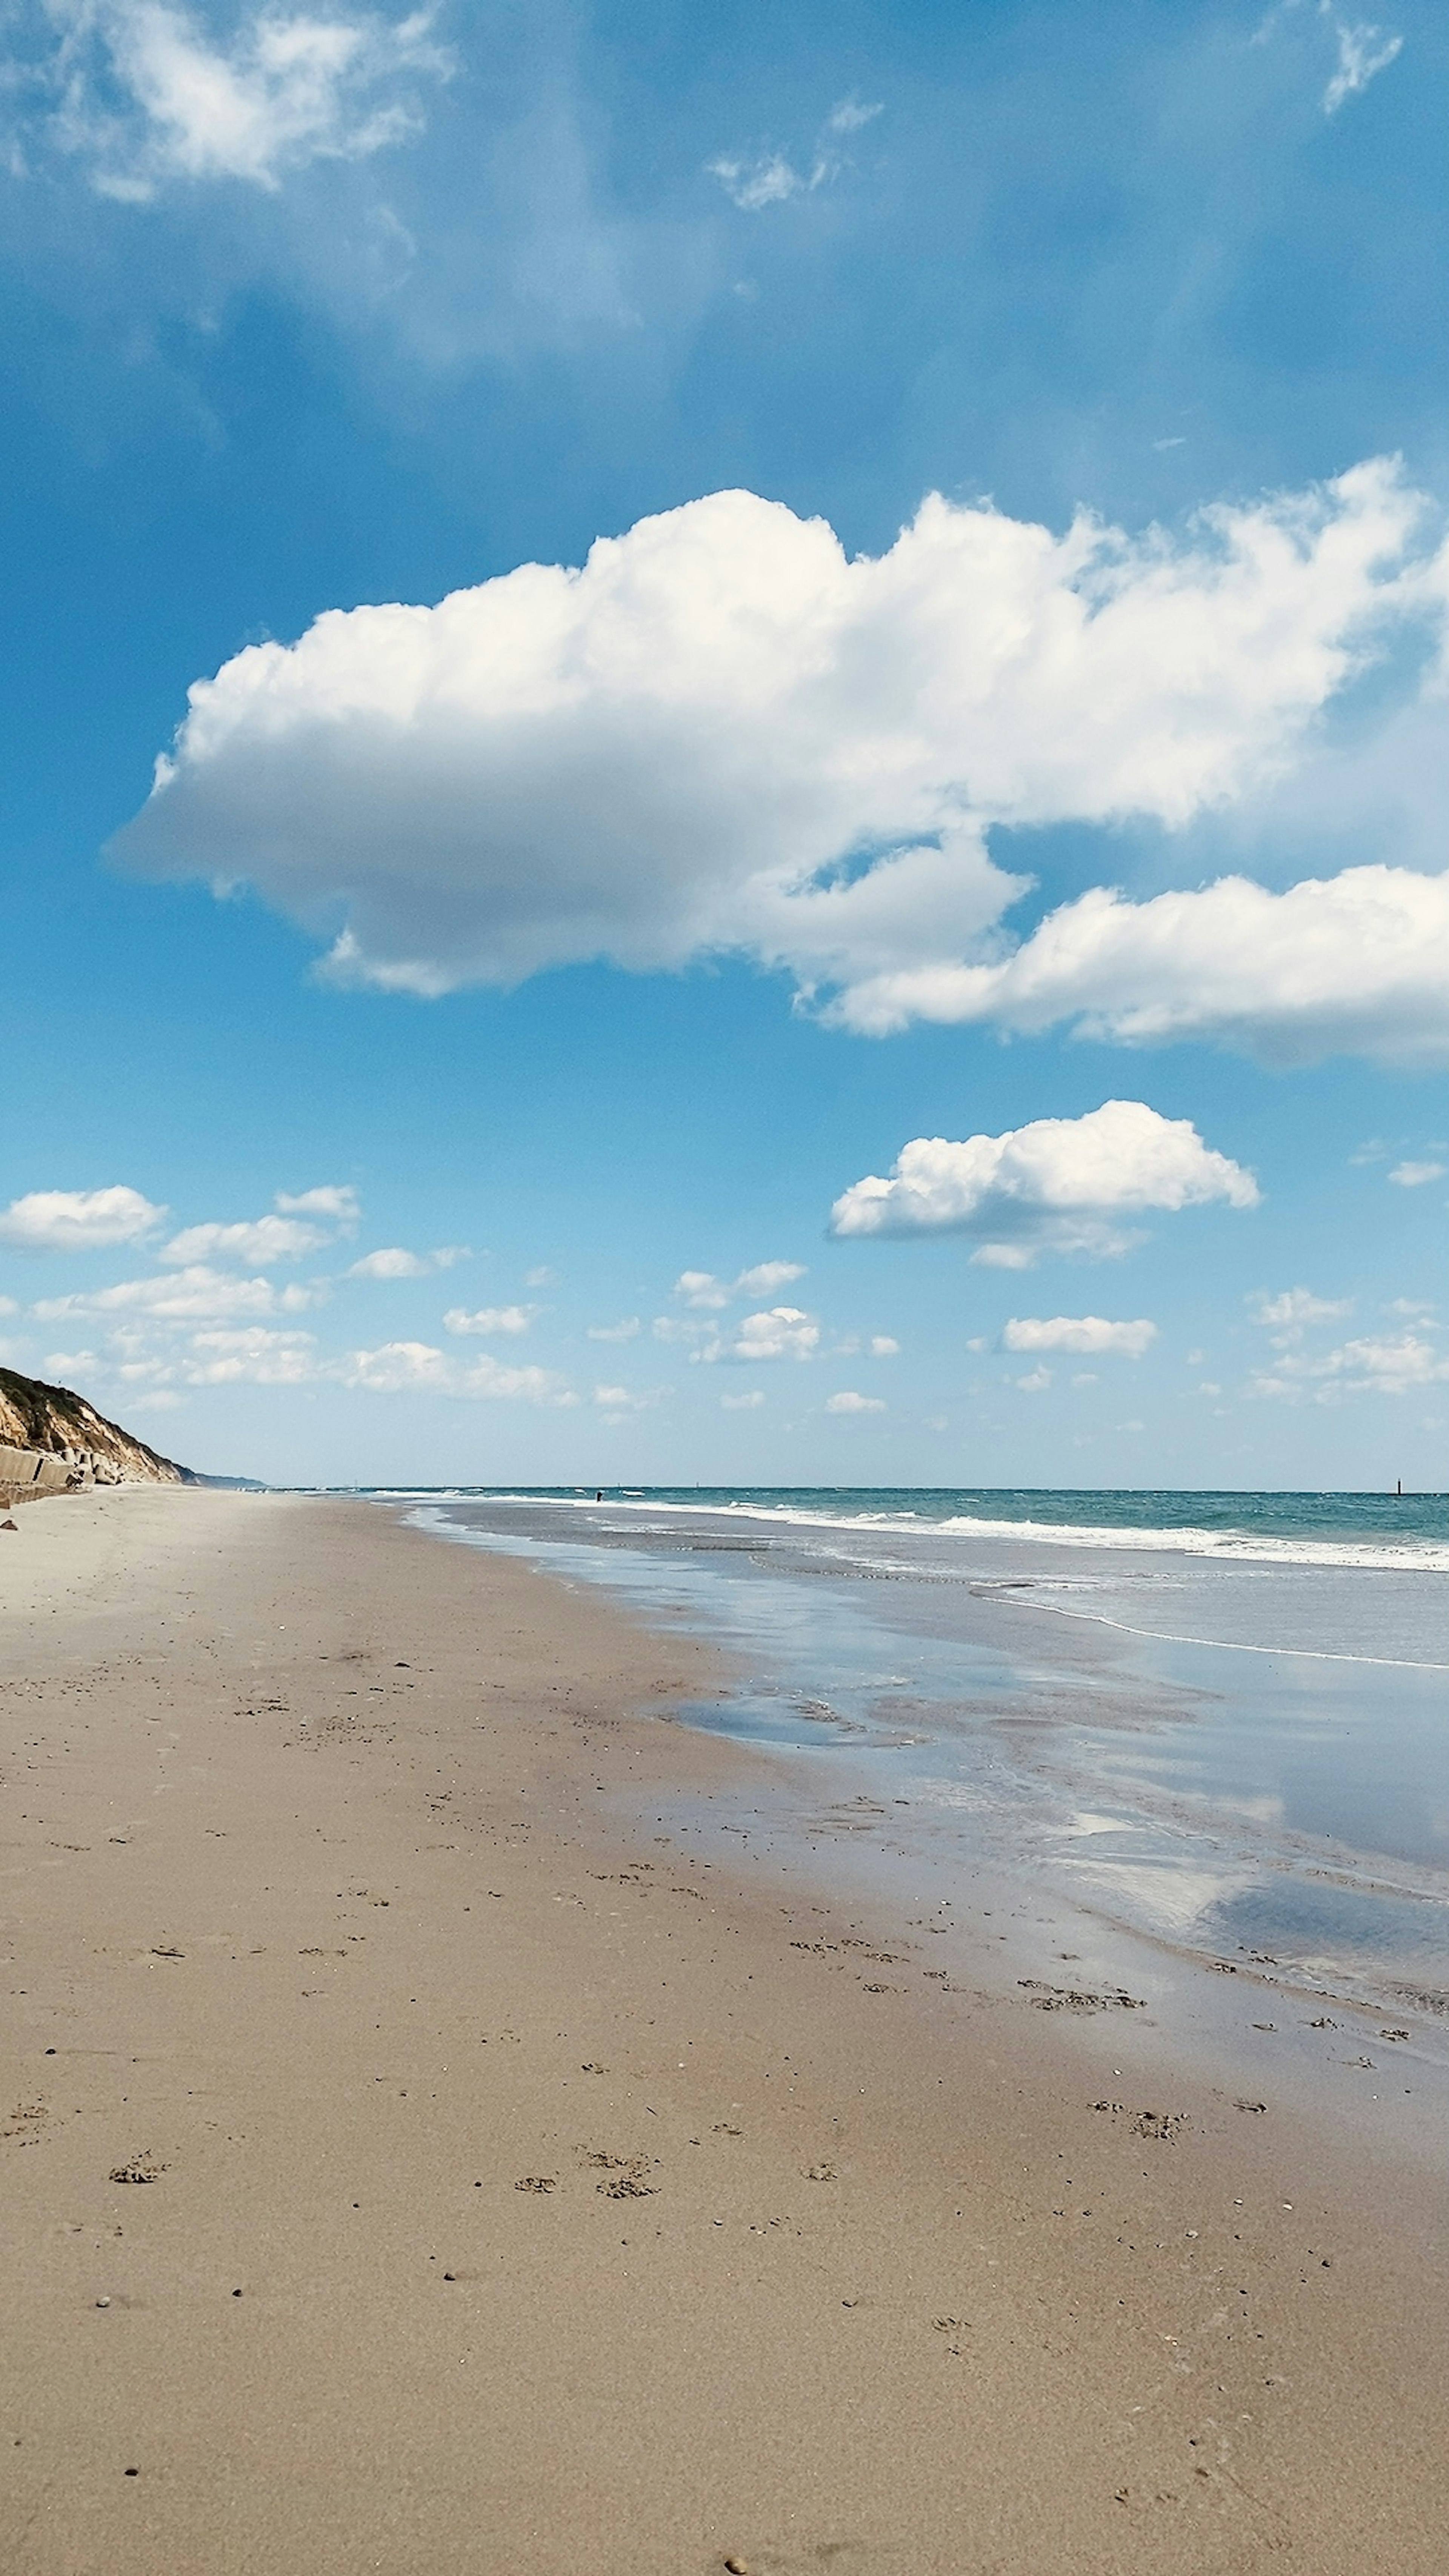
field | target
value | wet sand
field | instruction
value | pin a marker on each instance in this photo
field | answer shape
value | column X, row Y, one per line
column 417, row 2158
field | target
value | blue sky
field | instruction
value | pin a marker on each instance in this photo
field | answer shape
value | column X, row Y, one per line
column 464, row 1057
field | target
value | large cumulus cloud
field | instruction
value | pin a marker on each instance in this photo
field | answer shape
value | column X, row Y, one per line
column 722, row 733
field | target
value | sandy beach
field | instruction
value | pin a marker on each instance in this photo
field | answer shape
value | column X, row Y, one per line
column 417, row 2158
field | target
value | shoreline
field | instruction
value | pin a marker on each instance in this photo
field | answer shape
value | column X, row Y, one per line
column 590, row 2202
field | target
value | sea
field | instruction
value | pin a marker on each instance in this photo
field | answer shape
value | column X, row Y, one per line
column 1217, row 1720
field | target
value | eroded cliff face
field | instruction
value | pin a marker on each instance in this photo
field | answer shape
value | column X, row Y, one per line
column 52, row 1441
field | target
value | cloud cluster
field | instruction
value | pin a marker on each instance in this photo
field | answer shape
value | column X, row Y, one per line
column 1082, row 1333
column 1056, row 1185
column 754, row 180
column 401, row 1368
column 145, row 97
column 723, row 733
column 78, row 1220
column 1400, row 1362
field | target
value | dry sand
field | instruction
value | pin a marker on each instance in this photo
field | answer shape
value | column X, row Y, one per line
column 408, row 2166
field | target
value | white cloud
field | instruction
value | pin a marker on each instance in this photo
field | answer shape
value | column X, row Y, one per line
column 542, row 1277
column 778, row 1333
column 753, row 181
column 337, row 1200
column 847, row 1401
column 747, row 1403
column 1058, row 1184
column 1363, row 52
column 252, row 1356
column 252, row 1244
column 489, row 1319
column 850, row 114
column 884, row 1346
column 1288, row 1315
column 1359, row 961
column 197, row 1293
column 141, row 92
column 701, row 1289
column 765, row 1277
column 1393, row 1366
column 626, row 1330
column 619, row 1400
column 723, row 734
column 1084, row 1333
column 78, row 1220
column 1413, row 1176
column 1037, row 1383
column 398, row 1367
column 390, row 1261
column 1396, row 1364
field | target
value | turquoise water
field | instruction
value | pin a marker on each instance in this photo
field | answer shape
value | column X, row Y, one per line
column 1361, row 1529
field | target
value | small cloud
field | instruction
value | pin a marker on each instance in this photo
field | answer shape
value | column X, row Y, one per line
column 1086, row 1377
column 78, row 1220
column 391, row 1262
column 446, row 1256
column 1209, row 1386
column 884, row 1346
column 1037, row 1383
column 778, row 1333
column 251, row 1356
column 766, row 1277
column 749, row 1403
column 626, row 1330
column 251, row 1244
column 766, row 180
column 399, row 1368
column 1287, row 1315
column 543, row 1277
column 337, row 1201
column 849, row 1402
column 1162, row 444
column 977, row 1342
column 1363, row 52
column 489, row 1319
column 1195, row 1358
column 701, row 1289
column 1085, row 1333
column 1059, row 1185
column 1413, row 1176
column 625, row 1399
column 850, row 114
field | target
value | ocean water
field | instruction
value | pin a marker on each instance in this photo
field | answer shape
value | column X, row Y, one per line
column 1218, row 1719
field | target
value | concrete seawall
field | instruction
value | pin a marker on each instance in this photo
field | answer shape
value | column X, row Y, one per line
column 27, row 1475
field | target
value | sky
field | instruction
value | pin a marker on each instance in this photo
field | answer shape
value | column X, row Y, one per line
column 726, row 749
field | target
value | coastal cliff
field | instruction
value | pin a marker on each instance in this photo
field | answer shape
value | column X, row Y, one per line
column 53, row 1442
